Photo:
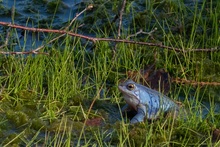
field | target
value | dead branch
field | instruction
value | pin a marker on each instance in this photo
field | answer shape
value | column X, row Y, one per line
column 88, row 8
column 194, row 83
column 22, row 53
column 120, row 18
column 119, row 26
column 109, row 39
column 93, row 39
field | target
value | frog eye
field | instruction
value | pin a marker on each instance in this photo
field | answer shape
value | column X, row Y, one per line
column 130, row 86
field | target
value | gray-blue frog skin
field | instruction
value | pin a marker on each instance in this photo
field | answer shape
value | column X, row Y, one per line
column 147, row 102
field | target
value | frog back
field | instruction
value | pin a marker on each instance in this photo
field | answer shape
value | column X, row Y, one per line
column 155, row 100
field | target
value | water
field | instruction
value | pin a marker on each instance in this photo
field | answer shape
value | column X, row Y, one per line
column 40, row 14
column 37, row 14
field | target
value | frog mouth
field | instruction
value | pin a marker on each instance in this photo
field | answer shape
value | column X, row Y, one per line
column 121, row 88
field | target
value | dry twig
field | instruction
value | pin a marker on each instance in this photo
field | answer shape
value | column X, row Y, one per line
column 120, row 18
column 119, row 26
column 110, row 39
column 194, row 83
column 93, row 39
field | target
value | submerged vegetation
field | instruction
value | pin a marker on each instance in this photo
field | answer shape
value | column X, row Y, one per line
column 70, row 97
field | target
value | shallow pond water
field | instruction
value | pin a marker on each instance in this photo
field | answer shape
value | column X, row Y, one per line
column 38, row 14
column 56, row 14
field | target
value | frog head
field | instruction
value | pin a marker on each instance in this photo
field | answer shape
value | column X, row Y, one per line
column 131, row 93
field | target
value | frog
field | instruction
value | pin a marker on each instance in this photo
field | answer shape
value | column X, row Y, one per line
column 148, row 103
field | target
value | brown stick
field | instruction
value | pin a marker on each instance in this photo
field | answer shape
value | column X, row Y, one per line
column 119, row 26
column 120, row 18
column 194, row 83
column 108, row 39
